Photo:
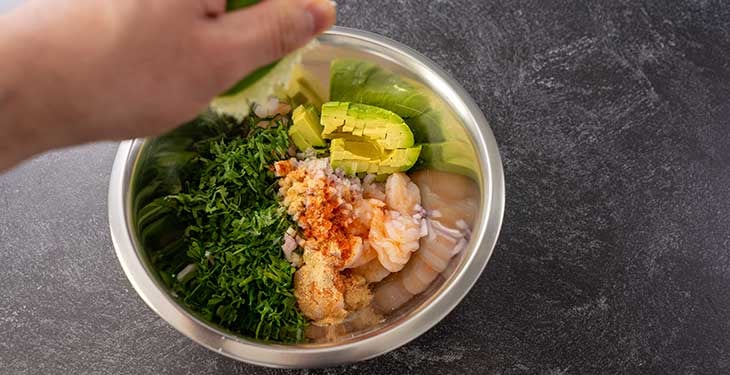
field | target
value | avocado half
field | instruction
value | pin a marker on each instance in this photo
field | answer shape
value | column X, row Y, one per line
column 445, row 144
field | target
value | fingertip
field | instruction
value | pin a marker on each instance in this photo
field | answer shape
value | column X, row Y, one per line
column 324, row 14
column 214, row 8
column 269, row 30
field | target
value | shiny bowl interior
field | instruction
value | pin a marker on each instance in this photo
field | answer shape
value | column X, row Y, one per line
column 127, row 193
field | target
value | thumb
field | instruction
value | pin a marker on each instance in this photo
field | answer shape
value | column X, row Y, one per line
column 271, row 29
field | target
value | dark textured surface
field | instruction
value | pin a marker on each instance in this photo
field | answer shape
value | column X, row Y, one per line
column 614, row 124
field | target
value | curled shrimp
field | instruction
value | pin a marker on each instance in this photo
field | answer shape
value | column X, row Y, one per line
column 372, row 271
column 393, row 227
column 451, row 200
column 394, row 237
column 363, row 211
column 401, row 194
column 395, row 231
column 362, row 253
column 424, row 267
column 450, row 197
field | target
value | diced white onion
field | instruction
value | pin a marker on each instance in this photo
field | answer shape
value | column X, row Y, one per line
column 424, row 228
column 187, row 272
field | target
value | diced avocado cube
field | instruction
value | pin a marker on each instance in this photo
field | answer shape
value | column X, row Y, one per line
column 306, row 129
column 333, row 117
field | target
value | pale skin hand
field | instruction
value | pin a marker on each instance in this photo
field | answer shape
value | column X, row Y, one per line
column 75, row 71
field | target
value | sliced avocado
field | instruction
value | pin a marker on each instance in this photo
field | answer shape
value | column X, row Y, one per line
column 364, row 82
column 304, row 88
column 305, row 130
column 451, row 156
column 333, row 117
column 400, row 160
column 360, row 155
column 380, row 125
column 445, row 143
column 367, row 139
column 353, row 156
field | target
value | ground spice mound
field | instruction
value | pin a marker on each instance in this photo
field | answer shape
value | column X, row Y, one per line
column 322, row 203
column 319, row 289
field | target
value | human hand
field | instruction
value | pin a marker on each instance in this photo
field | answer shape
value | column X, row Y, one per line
column 85, row 70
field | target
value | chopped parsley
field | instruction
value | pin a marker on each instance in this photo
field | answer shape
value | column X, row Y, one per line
column 229, row 266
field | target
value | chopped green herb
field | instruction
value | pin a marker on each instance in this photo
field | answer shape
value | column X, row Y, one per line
column 234, row 272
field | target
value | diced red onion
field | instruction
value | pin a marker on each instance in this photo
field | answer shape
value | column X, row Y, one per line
column 459, row 247
column 289, row 246
column 455, row 233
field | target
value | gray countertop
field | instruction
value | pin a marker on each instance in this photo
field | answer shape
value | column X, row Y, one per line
column 614, row 124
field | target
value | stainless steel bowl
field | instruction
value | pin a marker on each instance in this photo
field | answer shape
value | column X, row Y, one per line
column 402, row 326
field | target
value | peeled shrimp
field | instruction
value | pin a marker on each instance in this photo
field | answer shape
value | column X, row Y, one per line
column 373, row 271
column 395, row 231
column 448, row 186
column 423, row 268
column 394, row 237
column 437, row 250
column 418, row 275
column 360, row 253
column 448, row 197
column 451, row 202
column 391, row 295
column 449, row 212
column 401, row 194
column 364, row 210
